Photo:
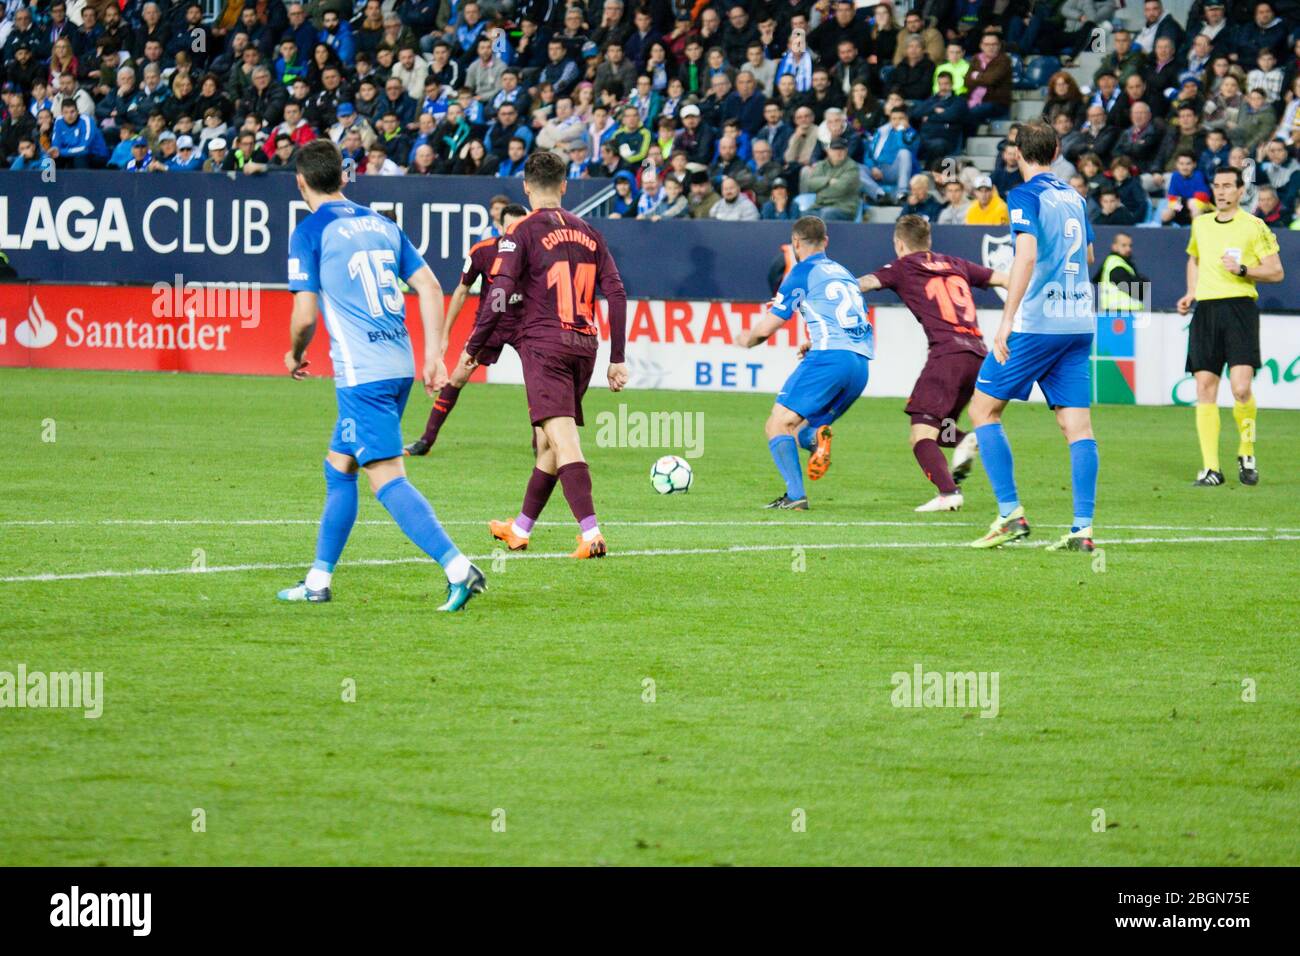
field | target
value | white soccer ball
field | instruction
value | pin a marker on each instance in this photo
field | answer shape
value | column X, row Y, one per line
column 671, row 475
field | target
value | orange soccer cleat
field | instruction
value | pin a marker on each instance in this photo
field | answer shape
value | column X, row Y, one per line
column 595, row 548
column 504, row 531
column 821, row 456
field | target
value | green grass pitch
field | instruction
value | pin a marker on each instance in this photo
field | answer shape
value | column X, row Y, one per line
column 1121, row 682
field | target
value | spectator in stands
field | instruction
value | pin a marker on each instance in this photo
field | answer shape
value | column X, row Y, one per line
column 76, row 142
column 1128, row 188
column 729, row 165
column 914, row 74
column 474, row 160
column 216, row 156
column 1182, row 135
column 942, row 118
column 890, row 157
column 671, row 204
column 1111, row 212
column 1215, row 154
column 836, row 183
column 735, row 206
column 1159, row 25
column 141, row 158
column 779, row 206
column 989, row 82
column 1064, row 96
column 1166, row 69
column 702, row 195
column 17, row 124
column 842, row 26
column 484, row 73
column 1141, row 141
column 1266, row 31
column 802, row 144
column 1093, row 171
column 1269, row 208
column 956, row 204
column 775, row 131
column 989, row 208
column 1280, row 168
column 513, row 163
column 1187, row 192
column 919, row 200
column 29, row 155
column 1006, row 171
column 955, row 65
column 1106, row 95
column 503, row 129
column 764, row 169
column 1224, row 107
column 1123, row 61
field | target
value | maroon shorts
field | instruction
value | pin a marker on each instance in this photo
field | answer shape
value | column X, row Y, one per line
column 502, row 335
column 943, row 388
column 555, row 383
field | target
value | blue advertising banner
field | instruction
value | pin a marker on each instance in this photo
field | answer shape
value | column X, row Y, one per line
column 147, row 228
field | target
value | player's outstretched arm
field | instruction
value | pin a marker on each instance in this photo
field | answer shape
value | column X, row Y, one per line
column 761, row 332
column 302, row 326
column 869, row 283
column 1000, row 280
column 1022, row 269
column 429, row 294
column 1193, row 272
column 458, row 297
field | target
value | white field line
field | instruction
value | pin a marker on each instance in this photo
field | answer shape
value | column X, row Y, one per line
column 644, row 553
column 794, row 523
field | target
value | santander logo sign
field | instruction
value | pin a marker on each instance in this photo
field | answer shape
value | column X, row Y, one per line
column 36, row 331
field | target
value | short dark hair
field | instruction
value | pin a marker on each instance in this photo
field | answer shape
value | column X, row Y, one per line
column 1037, row 143
column 514, row 211
column 809, row 229
column 321, row 165
column 913, row 232
column 1232, row 171
column 545, row 170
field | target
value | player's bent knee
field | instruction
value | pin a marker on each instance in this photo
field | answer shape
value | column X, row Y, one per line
column 381, row 472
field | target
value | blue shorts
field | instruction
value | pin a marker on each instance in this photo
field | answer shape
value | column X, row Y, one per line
column 370, row 420
column 825, row 384
column 1060, row 364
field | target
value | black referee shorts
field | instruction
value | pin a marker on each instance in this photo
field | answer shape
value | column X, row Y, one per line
column 1223, row 332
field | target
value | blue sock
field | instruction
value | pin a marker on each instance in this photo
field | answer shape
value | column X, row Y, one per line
column 414, row 515
column 995, row 451
column 1084, row 462
column 786, row 455
column 337, row 519
column 807, row 438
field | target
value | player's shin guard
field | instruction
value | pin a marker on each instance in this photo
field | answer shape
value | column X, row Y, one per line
column 934, row 465
column 538, row 492
column 1207, row 432
column 999, row 465
column 786, row 455
column 414, row 515
column 336, row 521
column 442, row 406
column 575, row 478
column 1244, row 413
column 1084, row 463
column 807, row 438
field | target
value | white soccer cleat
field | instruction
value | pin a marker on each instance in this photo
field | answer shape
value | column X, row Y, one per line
column 963, row 457
column 943, row 503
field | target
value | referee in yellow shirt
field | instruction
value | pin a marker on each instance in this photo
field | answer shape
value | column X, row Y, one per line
column 1228, row 253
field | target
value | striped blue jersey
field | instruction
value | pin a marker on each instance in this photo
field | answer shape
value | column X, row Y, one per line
column 352, row 258
column 1059, row 298
column 826, row 297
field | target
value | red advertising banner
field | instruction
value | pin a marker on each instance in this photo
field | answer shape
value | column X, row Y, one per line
column 213, row 328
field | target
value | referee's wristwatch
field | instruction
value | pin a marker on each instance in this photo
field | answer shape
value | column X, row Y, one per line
column 1241, row 270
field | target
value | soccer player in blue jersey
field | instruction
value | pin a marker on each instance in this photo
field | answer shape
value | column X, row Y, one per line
column 346, row 260
column 1045, row 337
column 833, row 372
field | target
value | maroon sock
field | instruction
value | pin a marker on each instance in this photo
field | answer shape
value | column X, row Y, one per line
column 953, row 442
column 538, row 492
column 935, row 466
column 442, row 406
column 575, row 477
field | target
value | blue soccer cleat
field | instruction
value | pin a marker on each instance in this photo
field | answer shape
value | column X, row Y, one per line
column 300, row 592
column 458, row 595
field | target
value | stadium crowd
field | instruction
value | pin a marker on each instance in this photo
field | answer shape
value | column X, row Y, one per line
column 694, row 108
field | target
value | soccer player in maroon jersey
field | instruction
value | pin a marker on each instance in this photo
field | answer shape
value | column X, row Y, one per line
column 937, row 290
column 477, row 263
column 556, row 262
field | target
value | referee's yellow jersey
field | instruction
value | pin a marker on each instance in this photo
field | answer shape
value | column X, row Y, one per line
column 1247, row 237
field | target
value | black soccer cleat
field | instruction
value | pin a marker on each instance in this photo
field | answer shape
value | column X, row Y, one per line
column 418, row 448
column 1247, row 473
column 1208, row 478
column 786, row 503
